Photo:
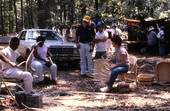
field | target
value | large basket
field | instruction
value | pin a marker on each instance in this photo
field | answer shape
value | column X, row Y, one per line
column 146, row 77
column 101, row 74
column 163, row 72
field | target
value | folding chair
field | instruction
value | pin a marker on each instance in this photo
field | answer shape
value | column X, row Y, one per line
column 9, row 83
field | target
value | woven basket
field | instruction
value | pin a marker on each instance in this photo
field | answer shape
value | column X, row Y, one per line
column 163, row 72
column 145, row 77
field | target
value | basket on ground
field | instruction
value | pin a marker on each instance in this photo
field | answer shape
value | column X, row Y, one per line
column 146, row 75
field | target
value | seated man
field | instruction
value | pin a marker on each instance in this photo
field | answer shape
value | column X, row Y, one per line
column 40, row 61
column 9, row 66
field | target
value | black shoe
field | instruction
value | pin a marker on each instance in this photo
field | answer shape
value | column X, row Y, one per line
column 83, row 75
column 90, row 76
column 46, row 80
column 39, row 83
column 53, row 82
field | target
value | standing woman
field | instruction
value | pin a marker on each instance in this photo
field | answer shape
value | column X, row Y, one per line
column 120, row 62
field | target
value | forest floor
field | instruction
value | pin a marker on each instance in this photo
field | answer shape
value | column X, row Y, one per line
column 74, row 93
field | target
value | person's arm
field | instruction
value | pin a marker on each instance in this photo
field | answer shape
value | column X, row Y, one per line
column 157, row 26
column 123, row 62
column 4, row 59
column 103, row 39
column 48, row 53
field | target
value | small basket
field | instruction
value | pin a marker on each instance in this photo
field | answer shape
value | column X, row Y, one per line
column 145, row 78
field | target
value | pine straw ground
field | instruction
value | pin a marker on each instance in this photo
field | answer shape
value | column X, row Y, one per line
column 73, row 93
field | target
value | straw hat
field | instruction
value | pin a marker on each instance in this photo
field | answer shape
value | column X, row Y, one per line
column 86, row 18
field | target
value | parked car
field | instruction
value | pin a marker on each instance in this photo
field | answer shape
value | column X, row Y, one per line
column 60, row 49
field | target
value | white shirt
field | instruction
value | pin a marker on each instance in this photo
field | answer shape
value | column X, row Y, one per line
column 11, row 55
column 42, row 51
column 119, row 52
column 101, row 46
column 117, row 31
column 161, row 32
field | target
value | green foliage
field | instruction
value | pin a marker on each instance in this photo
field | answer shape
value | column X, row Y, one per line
column 62, row 12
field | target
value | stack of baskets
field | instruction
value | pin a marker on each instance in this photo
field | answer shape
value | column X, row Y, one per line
column 146, row 77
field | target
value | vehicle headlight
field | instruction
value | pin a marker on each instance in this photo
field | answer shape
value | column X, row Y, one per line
column 76, row 51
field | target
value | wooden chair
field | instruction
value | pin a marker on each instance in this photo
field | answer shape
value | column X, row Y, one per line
column 132, row 73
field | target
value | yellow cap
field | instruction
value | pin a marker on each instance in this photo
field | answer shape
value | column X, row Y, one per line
column 86, row 18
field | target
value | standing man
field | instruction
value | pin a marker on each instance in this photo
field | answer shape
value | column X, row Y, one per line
column 84, row 41
column 152, row 41
column 161, row 40
column 10, row 71
column 101, row 41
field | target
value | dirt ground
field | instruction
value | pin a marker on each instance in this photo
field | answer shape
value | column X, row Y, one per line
column 74, row 93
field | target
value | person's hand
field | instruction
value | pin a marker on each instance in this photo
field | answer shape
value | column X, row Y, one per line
column 90, row 43
column 48, row 64
column 78, row 45
column 109, row 66
column 34, row 47
column 13, row 64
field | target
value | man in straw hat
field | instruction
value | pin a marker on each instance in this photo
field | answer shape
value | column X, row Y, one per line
column 152, row 41
column 84, row 39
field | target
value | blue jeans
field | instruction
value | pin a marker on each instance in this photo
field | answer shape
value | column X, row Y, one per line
column 115, row 72
column 161, row 47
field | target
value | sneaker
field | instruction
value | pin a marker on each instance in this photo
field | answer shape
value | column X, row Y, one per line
column 90, row 75
column 53, row 82
column 105, row 89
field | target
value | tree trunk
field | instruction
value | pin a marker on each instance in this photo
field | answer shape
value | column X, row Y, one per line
column 96, row 4
column 72, row 11
column 31, row 13
column 41, row 15
column 1, row 15
column 22, row 15
column 28, row 14
column 15, row 11
column 61, row 11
